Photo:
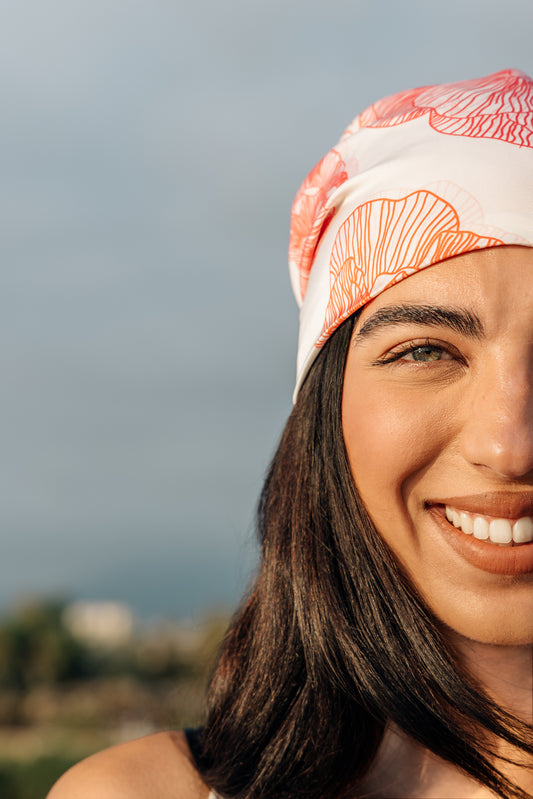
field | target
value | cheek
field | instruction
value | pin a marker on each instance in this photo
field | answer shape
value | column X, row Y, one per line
column 387, row 436
column 390, row 438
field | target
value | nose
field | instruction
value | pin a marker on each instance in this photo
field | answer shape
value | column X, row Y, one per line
column 498, row 430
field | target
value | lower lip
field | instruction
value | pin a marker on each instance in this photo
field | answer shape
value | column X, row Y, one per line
column 488, row 557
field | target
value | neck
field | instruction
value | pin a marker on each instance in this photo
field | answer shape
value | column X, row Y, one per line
column 506, row 675
column 504, row 672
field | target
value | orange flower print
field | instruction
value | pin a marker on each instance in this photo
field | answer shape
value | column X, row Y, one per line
column 384, row 241
column 309, row 216
column 497, row 107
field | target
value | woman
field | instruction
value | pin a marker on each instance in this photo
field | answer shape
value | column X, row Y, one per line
column 386, row 647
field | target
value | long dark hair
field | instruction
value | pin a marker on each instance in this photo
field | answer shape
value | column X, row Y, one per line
column 333, row 640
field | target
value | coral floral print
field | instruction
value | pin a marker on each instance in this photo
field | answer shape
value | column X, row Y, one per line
column 384, row 241
column 476, row 108
column 418, row 177
column 309, row 216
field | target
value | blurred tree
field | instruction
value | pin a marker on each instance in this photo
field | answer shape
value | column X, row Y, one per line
column 36, row 648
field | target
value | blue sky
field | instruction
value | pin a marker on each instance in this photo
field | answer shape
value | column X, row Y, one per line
column 149, row 155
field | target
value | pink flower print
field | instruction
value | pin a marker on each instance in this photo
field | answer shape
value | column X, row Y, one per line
column 497, row 107
column 309, row 216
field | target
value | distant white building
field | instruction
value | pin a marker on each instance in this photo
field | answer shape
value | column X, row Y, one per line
column 106, row 624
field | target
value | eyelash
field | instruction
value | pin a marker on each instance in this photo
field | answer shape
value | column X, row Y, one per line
column 406, row 349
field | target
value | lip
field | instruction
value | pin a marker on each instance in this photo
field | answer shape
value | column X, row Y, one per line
column 499, row 504
column 515, row 560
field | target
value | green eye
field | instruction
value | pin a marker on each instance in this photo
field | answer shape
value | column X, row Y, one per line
column 418, row 353
column 426, row 353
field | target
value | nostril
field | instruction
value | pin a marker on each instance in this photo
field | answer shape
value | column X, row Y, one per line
column 508, row 463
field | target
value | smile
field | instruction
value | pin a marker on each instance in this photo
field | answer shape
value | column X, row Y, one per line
column 502, row 532
column 493, row 532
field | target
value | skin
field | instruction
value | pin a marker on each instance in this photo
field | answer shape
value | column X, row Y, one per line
column 158, row 766
column 461, row 423
column 417, row 431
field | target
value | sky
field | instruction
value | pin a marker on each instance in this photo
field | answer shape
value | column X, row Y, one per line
column 149, row 154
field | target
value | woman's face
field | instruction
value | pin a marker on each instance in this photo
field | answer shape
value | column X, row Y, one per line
column 438, row 420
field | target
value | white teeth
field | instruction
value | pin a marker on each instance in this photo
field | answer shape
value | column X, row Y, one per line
column 453, row 516
column 523, row 530
column 499, row 531
column 467, row 523
column 481, row 528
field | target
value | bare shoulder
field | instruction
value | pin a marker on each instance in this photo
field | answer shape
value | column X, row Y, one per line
column 158, row 766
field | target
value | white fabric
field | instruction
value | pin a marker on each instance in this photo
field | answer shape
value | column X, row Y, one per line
column 418, row 177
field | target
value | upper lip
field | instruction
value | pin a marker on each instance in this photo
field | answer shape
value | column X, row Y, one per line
column 499, row 504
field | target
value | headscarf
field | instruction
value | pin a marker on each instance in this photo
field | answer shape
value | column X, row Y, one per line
column 418, row 177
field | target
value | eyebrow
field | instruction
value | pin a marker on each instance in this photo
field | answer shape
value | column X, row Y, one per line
column 460, row 320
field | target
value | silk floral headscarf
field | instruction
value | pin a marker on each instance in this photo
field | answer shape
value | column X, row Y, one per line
column 418, row 177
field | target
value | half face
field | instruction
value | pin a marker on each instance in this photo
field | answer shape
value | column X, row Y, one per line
column 438, row 424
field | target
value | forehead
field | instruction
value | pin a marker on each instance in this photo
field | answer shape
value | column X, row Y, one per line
column 494, row 281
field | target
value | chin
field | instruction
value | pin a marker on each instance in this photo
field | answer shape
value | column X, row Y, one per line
column 497, row 629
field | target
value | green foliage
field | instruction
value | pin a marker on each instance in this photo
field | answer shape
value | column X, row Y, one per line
column 36, row 648
column 31, row 780
column 60, row 693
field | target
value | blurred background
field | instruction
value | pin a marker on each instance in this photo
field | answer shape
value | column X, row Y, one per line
column 149, row 154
